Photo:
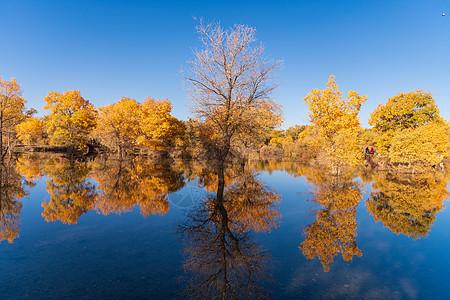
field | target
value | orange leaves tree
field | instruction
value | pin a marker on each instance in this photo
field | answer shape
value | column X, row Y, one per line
column 229, row 84
column 337, row 122
column 410, row 129
column 71, row 118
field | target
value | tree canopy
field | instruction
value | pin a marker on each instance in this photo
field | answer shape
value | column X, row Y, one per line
column 71, row 118
column 410, row 129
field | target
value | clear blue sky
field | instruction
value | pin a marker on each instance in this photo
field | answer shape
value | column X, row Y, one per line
column 110, row 49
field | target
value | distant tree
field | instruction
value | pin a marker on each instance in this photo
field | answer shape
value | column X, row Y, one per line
column 71, row 118
column 11, row 112
column 337, row 122
column 229, row 83
column 295, row 130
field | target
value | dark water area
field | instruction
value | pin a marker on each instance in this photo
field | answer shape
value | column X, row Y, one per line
column 103, row 228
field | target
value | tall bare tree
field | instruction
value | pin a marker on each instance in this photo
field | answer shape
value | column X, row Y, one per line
column 229, row 83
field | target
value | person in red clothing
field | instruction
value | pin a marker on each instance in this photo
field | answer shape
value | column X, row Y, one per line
column 371, row 151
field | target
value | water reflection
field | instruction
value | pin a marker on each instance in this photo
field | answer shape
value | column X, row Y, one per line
column 223, row 258
column 71, row 193
column 11, row 190
column 122, row 184
column 407, row 204
column 334, row 231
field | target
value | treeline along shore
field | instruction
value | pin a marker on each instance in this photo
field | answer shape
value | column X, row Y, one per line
column 229, row 83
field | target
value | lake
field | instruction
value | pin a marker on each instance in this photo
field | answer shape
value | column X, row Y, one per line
column 95, row 227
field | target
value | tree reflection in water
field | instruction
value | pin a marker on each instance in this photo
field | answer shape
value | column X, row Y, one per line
column 71, row 193
column 334, row 231
column 222, row 256
column 407, row 204
column 11, row 190
column 122, row 184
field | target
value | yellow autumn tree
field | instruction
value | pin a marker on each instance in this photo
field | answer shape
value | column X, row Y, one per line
column 118, row 125
column 410, row 129
column 30, row 131
column 71, row 118
column 11, row 113
column 157, row 126
column 337, row 122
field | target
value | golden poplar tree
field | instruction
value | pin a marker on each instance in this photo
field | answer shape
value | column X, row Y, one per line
column 337, row 122
column 157, row 126
column 118, row 125
column 410, row 129
column 11, row 112
column 30, row 131
column 71, row 118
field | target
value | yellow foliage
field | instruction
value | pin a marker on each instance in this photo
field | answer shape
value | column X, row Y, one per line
column 157, row 126
column 11, row 111
column 30, row 131
column 426, row 144
column 337, row 122
column 118, row 124
column 405, row 110
column 410, row 129
column 71, row 118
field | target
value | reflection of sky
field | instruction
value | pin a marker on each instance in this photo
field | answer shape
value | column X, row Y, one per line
column 110, row 49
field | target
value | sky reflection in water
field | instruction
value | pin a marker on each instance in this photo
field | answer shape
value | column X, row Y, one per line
column 115, row 229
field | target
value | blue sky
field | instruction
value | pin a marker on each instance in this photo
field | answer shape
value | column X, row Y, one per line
column 110, row 49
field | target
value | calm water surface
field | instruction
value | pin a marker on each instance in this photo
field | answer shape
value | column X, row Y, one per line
column 99, row 228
